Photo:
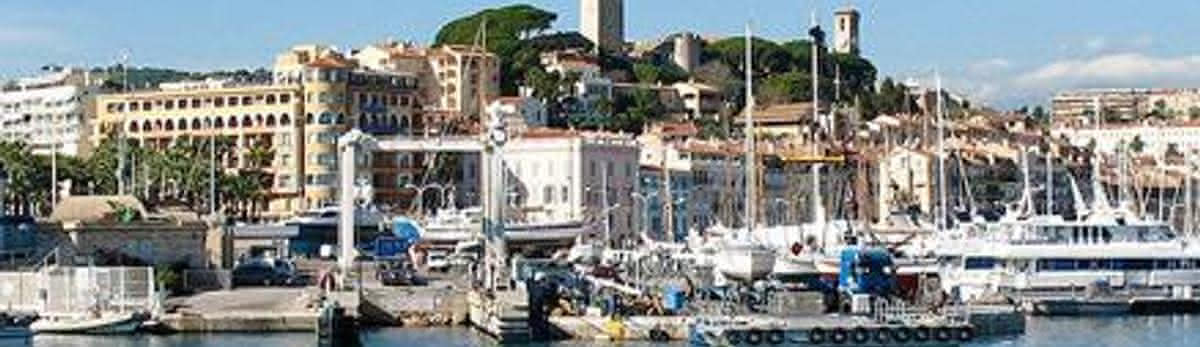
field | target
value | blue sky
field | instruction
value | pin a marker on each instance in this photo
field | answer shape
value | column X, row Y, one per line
column 1001, row 52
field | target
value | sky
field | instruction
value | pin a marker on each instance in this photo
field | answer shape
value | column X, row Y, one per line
column 999, row 53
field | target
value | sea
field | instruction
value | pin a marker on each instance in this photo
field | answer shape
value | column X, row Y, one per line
column 1180, row 330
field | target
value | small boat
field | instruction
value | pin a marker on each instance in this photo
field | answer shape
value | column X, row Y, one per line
column 104, row 324
column 745, row 260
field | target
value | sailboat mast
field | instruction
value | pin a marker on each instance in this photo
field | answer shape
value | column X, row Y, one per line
column 750, row 177
column 941, row 215
column 1050, row 167
column 818, row 206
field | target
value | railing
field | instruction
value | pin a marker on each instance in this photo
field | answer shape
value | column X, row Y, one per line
column 898, row 312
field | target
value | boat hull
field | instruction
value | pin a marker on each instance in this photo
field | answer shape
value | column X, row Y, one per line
column 746, row 264
column 105, row 325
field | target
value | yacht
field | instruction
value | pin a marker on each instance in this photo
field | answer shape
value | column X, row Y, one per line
column 456, row 225
column 1050, row 256
column 328, row 217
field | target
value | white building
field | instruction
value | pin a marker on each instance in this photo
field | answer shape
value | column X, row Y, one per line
column 1156, row 139
column 560, row 175
column 49, row 112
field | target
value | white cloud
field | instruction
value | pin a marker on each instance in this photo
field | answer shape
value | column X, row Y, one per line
column 1120, row 69
column 989, row 66
column 12, row 35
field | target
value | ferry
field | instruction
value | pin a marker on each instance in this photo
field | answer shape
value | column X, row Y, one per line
column 1048, row 256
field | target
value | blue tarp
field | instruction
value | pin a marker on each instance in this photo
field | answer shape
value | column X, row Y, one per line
column 405, row 233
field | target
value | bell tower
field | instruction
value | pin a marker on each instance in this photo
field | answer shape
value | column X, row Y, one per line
column 845, row 33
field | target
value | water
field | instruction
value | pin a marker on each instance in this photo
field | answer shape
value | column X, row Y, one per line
column 1065, row 332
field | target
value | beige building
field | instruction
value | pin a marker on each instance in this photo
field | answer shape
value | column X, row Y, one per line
column 316, row 95
column 603, row 22
column 906, row 179
column 1129, row 103
column 457, row 80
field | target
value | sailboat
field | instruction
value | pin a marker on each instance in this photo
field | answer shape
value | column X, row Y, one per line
column 740, row 255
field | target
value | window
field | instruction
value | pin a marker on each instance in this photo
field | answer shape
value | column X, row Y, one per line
column 183, row 104
column 548, row 195
column 565, row 194
column 233, row 101
column 285, row 98
column 169, row 104
column 247, row 100
column 270, row 99
column 195, row 103
column 327, row 159
column 326, row 118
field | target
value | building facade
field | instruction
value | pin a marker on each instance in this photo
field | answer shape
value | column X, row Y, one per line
column 316, row 95
column 603, row 22
column 52, row 112
column 556, row 175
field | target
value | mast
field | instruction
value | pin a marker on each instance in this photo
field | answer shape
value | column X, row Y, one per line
column 818, row 206
column 1050, row 167
column 121, row 127
column 941, row 126
column 750, row 177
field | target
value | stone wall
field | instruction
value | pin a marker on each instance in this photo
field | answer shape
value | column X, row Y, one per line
column 153, row 243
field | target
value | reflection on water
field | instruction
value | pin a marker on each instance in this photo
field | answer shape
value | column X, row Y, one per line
column 1067, row 332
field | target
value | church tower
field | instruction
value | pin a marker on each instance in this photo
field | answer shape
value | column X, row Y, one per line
column 845, row 34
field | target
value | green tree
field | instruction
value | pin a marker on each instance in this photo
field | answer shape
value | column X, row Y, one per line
column 785, row 88
column 508, row 30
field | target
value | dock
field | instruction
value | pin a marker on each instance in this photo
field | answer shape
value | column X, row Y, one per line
column 980, row 322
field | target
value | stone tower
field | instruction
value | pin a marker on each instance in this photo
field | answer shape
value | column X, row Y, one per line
column 603, row 22
column 845, row 34
column 687, row 51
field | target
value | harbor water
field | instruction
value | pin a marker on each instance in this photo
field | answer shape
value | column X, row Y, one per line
column 1042, row 331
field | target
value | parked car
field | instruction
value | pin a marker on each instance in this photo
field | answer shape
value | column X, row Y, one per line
column 261, row 273
column 396, row 273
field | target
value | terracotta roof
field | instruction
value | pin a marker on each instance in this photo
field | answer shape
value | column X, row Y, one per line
column 329, row 62
column 777, row 113
column 675, row 129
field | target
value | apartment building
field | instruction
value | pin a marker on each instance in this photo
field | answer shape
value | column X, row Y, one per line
column 51, row 112
column 457, row 80
column 316, row 95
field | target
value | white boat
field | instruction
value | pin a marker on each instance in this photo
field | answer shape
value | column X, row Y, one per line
column 328, row 217
column 1047, row 256
column 104, row 324
column 744, row 260
column 453, row 226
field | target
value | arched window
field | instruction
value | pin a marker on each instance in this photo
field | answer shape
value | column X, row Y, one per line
column 270, row 120
column 146, row 126
column 362, row 120
column 258, row 119
column 133, row 126
column 247, row 121
column 169, row 126
column 309, row 119
column 196, row 123
column 284, row 119
column 158, row 124
column 233, row 122
column 326, row 117
column 182, row 124
column 340, row 119
column 374, row 120
column 219, row 123
column 394, row 120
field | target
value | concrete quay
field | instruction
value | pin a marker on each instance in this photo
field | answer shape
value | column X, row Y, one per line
column 273, row 309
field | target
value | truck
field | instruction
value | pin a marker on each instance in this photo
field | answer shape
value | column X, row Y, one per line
column 865, row 274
